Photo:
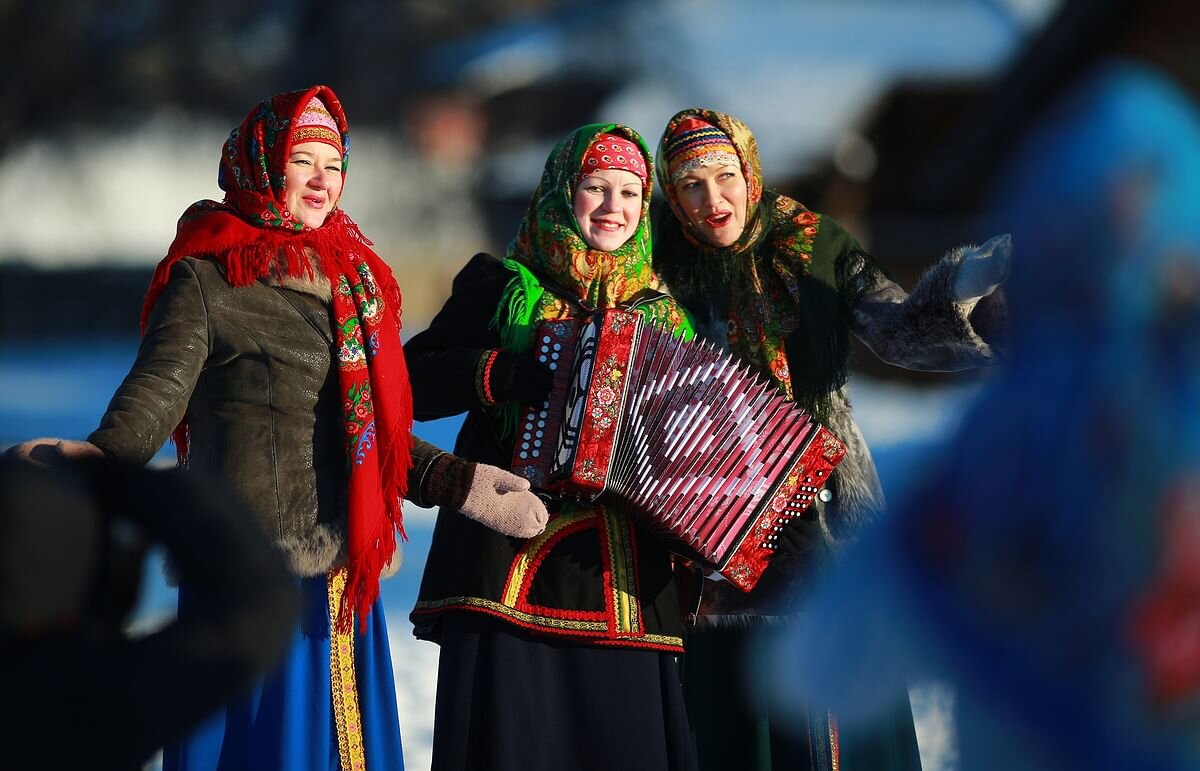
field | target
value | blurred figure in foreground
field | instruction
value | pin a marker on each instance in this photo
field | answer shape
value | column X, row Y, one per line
column 72, row 540
column 1048, row 565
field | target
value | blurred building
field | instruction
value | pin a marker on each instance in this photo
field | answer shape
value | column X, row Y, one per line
column 890, row 116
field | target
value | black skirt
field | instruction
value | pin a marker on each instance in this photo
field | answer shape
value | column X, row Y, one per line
column 510, row 701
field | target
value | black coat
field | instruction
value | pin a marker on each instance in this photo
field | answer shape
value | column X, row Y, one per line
column 593, row 577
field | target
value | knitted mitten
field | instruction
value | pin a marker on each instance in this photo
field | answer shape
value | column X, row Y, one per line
column 504, row 502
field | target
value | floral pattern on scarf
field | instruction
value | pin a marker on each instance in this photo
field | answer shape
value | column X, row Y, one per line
column 767, row 271
column 550, row 252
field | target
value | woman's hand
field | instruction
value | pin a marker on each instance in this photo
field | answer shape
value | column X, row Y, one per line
column 47, row 451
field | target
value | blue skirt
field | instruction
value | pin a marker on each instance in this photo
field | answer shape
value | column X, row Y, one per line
column 304, row 715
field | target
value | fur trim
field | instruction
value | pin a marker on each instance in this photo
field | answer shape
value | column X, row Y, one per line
column 744, row 621
column 857, row 493
column 316, row 284
column 323, row 548
column 316, row 551
column 928, row 331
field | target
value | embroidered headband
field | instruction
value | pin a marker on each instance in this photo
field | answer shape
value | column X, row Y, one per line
column 316, row 124
column 610, row 151
column 696, row 144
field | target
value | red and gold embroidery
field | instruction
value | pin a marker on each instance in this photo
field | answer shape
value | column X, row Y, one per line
column 342, row 683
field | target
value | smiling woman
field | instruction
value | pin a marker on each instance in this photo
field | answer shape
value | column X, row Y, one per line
column 314, row 182
column 607, row 201
column 313, row 173
column 554, row 645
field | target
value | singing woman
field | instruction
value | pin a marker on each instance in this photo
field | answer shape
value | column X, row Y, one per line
column 783, row 288
column 557, row 651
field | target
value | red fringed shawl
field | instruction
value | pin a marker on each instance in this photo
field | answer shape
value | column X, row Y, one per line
column 252, row 235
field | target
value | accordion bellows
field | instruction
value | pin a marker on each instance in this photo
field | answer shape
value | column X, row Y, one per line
column 711, row 457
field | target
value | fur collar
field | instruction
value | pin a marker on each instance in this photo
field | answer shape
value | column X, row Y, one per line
column 316, row 284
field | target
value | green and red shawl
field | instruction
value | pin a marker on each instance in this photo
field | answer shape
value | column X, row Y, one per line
column 550, row 252
column 780, row 277
column 253, row 235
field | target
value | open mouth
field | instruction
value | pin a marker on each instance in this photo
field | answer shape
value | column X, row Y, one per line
column 718, row 220
column 316, row 203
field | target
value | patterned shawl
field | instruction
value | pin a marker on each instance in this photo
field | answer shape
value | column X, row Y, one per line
column 253, row 235
column 550, row 252
column 775, row 280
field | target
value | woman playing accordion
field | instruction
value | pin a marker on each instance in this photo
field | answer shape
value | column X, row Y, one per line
column 563, row 643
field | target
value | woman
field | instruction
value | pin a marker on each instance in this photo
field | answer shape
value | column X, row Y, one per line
column 272, row 348
column 557, row 651
column 782, row 287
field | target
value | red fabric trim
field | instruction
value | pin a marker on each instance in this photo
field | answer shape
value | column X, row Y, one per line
column 540, row 556
column 489, row 399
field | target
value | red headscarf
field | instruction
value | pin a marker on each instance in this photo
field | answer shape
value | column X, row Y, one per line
column 252, row 234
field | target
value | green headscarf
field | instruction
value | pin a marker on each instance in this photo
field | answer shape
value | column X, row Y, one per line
column 550, row 253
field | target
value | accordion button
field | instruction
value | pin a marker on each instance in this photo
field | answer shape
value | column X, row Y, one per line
column 542, row 358
column 558, row 346
column 825, row 495
column 545, row 338
column 524, row 455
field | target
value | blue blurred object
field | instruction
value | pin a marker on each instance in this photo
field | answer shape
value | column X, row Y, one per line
column 1049, row 566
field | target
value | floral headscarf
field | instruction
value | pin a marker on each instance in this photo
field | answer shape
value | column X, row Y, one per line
column 777, row 279
column 252, row 235
column 550, row 252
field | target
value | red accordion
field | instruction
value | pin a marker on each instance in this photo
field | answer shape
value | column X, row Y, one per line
column 712, row 457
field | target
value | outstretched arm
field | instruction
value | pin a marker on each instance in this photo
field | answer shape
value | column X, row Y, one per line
column 933, row 328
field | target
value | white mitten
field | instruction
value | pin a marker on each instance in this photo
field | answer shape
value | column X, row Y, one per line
column 48, row 450
column 503, row 502
column 983, row 268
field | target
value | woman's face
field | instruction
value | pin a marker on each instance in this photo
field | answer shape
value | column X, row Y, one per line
column 714, row 200
column 313, row 182
column 608, row 206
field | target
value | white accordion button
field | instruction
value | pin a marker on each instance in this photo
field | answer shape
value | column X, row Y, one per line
column 825, row 495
